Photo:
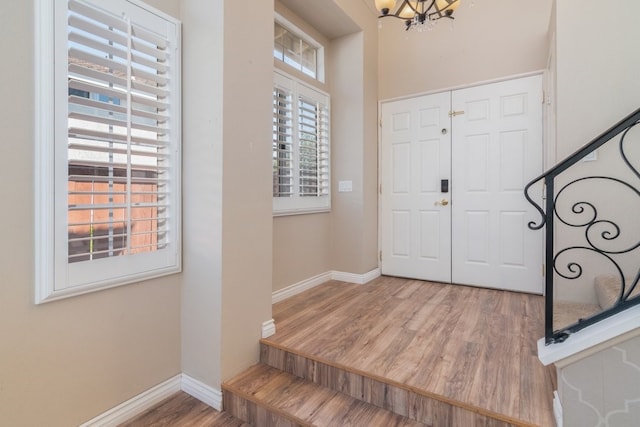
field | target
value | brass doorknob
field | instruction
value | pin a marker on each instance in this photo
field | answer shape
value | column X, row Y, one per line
column 443, row 202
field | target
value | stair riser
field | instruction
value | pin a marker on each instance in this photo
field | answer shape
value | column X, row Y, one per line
column 396, row 399
column 252, row 413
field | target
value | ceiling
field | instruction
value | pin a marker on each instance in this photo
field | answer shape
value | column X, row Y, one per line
column 323, row 15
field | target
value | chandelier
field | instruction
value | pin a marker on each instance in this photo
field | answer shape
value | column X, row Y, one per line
column 417, row 12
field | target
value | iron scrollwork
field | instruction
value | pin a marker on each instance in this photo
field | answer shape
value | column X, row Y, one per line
column 601, row 234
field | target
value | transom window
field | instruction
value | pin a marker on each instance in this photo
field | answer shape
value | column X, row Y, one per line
column 296, row 51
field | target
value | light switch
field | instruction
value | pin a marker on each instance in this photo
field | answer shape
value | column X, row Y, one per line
column 345, row 186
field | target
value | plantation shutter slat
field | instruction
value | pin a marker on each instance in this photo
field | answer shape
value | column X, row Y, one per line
column 109, row 107
column 87, row 11
column 83, row 86
column 95, row 206
column 89, row 58
column 105, row 135
column 118, row 147
column 81, row 73
column 84, row 25
column 149, row 37
column 117, row 122
column 116, row 51
column 117, row 180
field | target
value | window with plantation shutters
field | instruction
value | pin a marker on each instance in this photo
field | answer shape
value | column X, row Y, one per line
column 301, row 157
column 116, row 148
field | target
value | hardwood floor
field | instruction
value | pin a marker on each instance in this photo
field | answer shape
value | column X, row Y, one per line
column 184, row 411
column 392, row 352
column 468, row 347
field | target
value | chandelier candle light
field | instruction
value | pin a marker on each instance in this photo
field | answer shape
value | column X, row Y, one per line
column 417, row 12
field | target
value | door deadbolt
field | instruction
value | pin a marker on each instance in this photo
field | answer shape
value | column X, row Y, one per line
column 444, row 131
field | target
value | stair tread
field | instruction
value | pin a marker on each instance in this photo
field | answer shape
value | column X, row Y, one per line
column 306, row 402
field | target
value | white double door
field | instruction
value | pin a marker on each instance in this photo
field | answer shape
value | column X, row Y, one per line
column 453, row 170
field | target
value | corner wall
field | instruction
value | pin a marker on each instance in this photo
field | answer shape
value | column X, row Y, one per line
column 247, row 181
column 202, row 111
column 596, row 85
column 597, row 72
column 227, row 207
column 345, row 239
column 354, row 217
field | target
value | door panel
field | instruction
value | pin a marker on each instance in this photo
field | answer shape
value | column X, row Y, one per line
column 415, row 156
column 496, row 149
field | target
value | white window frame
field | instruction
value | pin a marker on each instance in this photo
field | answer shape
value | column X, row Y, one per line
column 297, row 204
column 55, row 277
column 293, row 29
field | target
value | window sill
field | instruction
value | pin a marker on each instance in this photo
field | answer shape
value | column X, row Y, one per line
column 291, row 212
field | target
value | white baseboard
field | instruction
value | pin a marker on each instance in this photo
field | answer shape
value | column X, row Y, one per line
column 136, row 405
column 557, row 409
column 204, row 393
column 145, row 400
column 268, row 328
column 296, row 288
column 359, row 279
column 312, row 282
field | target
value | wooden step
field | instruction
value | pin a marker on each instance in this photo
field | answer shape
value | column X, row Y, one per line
column 439, row 354
column 410, row 402
column 266, row 396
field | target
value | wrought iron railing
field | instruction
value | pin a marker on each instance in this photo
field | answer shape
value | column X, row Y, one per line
column 592, row 221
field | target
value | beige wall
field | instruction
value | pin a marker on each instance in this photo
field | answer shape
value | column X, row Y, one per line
column 345, row 239
column 227, row 206
column 246, row 181
column 202, row 41
column 64, row 362
column 492, row 39
column 596, row 85
column 355, row 217
column 301, row 246
column 597, row 71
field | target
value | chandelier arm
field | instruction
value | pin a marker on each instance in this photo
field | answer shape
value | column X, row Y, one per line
column 392, row 16
column 440, row 15
column 408, row 3
column 444, row 13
